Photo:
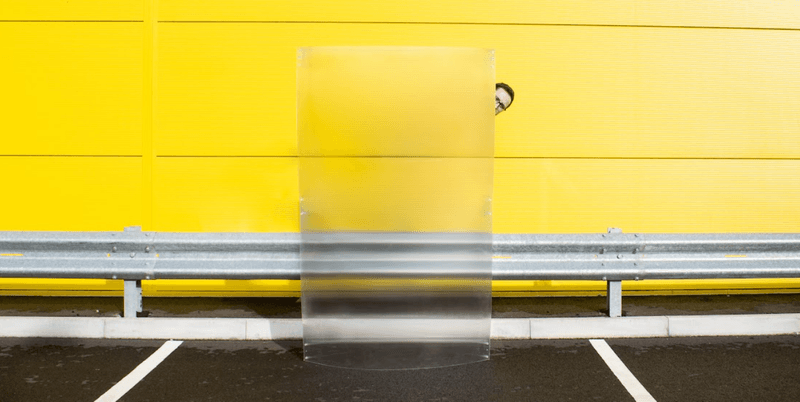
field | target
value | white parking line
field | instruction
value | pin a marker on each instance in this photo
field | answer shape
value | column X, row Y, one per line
column 624, row 375
column 133, row 378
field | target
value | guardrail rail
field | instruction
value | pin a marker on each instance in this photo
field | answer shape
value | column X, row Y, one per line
column 133, row 255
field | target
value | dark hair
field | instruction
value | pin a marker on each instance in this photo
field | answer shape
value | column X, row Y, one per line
column 507, row 89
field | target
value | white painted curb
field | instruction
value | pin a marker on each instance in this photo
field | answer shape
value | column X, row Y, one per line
column 599, row 327
column 751, row 324
column 502, row 328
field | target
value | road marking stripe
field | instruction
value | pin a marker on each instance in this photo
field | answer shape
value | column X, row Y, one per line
column 133, row 378
column 624, row 375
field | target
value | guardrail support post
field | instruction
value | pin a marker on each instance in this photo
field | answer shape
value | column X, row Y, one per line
column 133, row 298
column 614, row 298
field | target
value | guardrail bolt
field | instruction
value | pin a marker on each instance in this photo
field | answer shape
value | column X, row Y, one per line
column 636, row 250
column 602, row 251
column 133, row 255
column 147, row 249
column 619, row 256
column 114, row 249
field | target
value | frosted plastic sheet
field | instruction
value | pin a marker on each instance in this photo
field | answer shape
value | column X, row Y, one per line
column 396, row 166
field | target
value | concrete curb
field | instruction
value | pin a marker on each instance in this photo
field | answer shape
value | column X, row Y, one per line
column 502, row 328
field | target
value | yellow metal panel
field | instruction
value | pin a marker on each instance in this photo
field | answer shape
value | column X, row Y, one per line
column 149, row 34
column 718, row 13
column 70, row 193
column 530, row 195
column 60, row 10
column 229, row 89
column 653, row 93
column 225, row 195
column 71, row 88
column 747, row 13
column 641, row 195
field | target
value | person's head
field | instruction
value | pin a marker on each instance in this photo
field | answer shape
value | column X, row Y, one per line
column 503, row 96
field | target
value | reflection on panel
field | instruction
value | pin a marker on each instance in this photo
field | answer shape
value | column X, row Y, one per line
column 396, row 194
column 395, row 205
column 396, row 300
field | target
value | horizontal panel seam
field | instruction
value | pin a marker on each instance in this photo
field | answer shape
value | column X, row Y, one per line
column 479, row 23
column 70, row 156
column 71, row 21
column 409, row 157
column 648, row 158
column 478, row 157
column 430, row 23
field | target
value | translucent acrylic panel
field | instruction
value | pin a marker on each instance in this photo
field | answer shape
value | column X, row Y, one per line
column 396, row 165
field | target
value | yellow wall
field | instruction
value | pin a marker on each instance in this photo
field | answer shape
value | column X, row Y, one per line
column 659, row 116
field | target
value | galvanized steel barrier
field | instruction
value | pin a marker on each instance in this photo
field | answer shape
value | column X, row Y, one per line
column 133, row 256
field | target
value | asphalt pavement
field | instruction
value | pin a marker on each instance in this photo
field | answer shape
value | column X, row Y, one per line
column 765, row 368
column 670, row 369
column 502, row 307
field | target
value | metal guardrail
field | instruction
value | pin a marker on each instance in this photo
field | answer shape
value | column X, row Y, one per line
column 133, row 255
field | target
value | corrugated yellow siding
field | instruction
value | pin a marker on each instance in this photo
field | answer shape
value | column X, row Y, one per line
column 660, row 116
